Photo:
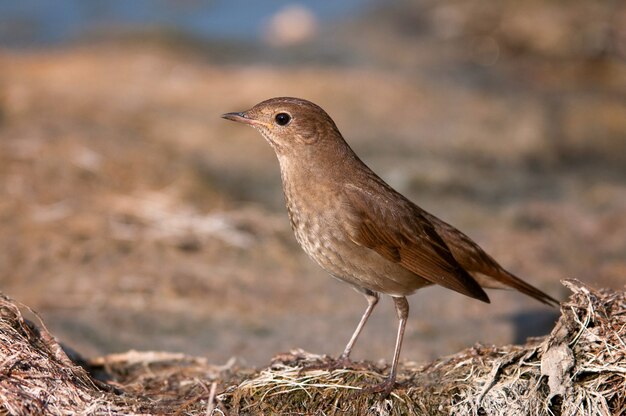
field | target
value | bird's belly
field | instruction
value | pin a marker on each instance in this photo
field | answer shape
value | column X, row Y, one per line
column 327, row 243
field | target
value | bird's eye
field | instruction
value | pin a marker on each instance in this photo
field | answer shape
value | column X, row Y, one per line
column 282, row 119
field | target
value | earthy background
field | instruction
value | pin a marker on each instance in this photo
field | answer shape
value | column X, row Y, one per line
column 133, row 217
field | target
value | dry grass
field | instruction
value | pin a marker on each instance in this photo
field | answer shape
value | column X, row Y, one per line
column 38, row 377
column 580, row 368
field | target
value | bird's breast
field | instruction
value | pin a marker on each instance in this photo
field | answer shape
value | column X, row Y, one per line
column 313, row 215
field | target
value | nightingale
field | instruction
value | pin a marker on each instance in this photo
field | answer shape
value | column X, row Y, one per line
column 362, row 231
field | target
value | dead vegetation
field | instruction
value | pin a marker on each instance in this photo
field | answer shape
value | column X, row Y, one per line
column 580, row 368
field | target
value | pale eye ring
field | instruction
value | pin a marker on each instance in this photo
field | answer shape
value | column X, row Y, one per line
column 282, row 119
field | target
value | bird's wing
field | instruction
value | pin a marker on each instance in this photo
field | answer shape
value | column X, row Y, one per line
column 403, row 235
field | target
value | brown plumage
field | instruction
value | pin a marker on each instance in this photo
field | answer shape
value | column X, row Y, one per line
column 361, row 230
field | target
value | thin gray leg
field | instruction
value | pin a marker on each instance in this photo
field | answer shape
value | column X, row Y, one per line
column 402, row 309
column 372, row 300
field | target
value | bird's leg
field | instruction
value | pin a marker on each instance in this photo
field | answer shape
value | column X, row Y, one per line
column 402, row 309
column 372, row 300
column 344, row 359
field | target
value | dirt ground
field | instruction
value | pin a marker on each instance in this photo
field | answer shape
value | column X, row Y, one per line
column 133, row 217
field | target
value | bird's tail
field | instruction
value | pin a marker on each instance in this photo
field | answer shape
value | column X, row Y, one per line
column 505, row 278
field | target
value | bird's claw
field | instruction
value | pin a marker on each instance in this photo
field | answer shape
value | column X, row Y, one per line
column 385, row 388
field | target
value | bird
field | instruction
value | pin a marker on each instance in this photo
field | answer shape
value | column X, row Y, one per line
column 362, row 231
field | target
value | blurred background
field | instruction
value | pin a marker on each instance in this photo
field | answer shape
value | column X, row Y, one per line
column 133, row 217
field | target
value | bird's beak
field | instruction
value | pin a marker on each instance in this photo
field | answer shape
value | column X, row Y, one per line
column 241, row 118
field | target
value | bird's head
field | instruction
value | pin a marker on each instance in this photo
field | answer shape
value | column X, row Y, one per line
column 289, row 124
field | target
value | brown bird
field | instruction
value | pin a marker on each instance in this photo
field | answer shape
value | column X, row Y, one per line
column 361, row 230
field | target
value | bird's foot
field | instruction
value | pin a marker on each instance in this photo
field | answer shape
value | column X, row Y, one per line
column 385, row 388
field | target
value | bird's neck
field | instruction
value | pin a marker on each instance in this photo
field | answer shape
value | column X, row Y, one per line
column 318, row 164
column 310, row 192
column 317, row 178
